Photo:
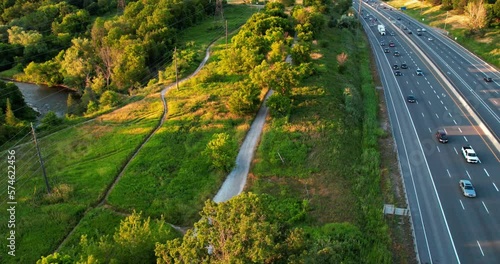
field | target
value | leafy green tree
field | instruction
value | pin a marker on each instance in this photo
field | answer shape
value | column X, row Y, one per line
column 245, row 98
column 109, row 99
column 77, row 63
column 50, row 119
column 301, row 53
column 279, row 105
column 222, row 152
column 10, row 118
column 476, row 11
column 44, row 73
column 72, row 23
column 130, row 69
column 56, row 258
column 133, row 242
column 249, row 228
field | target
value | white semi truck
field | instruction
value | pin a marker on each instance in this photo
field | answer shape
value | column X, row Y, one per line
column 381, row 30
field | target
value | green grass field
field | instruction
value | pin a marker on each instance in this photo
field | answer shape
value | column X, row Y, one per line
column 81, row 162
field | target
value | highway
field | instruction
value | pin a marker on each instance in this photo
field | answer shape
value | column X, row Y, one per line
column 451, row 95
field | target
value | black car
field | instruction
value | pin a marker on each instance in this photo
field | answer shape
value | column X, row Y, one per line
column 395, row 67
column 411, row 99
column 419, row 34
column 409, row 32
column 404, row 66
column 441, row 136
column 398, row 73
column 396, row 53
column 487, row 79
column 399, row 18
column 386, row 50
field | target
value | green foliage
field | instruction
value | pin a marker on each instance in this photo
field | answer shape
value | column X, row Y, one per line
column 10, row 118
column 222, row 151
column 109, row 99
column 44, row 73
column 245, row 98
column 244, row 229
column 132, row 242
column 50, row 120
column 279, row 105
column 56, row 258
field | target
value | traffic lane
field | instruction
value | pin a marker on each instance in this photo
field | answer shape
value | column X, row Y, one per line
column 430, row 231
column 447, row 186
column 484, row 102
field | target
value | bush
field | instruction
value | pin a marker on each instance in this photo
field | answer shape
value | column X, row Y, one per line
column 50, row 119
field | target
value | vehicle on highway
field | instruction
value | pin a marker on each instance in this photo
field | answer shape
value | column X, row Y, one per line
column 396, row 53
column 419, row 30
column 468, row 189
column 391, row 44
column 395, row 67
column 423, row 30
column 386, row 50
column 441, row 136
column 398, row 73
column 411, row 98
column 487, row 79
column 419, row 34
column 399, row 18
column 430, row 39
column 392, row 33
column 382, row 43
column 404, row 66
column 409, row 32
column 469, row 154
column 419, row 72
column 381, row 29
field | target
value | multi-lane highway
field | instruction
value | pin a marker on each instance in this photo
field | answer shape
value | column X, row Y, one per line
column 451, row 95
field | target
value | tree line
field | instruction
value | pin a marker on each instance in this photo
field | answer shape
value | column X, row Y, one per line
column 96, row 48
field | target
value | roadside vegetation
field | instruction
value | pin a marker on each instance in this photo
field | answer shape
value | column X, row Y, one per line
column 473, row 24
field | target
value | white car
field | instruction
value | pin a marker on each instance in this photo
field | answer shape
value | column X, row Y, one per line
column 467, row 188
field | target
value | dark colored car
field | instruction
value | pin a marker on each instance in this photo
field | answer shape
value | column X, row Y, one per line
column 441, row 136
column 386, row 50
column 409, row 32
column 411, row 99
column 395, row 67
column 399, row 18
column 391, row 44
column 419, row 34
column 396, row 53
column 398, row 73
column 392, row 33
column 382, row 43
column 487, row 79
column 404, row 66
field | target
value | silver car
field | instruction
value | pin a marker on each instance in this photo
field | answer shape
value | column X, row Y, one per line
column 467, row 188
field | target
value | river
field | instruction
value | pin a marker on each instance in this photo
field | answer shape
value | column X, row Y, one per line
column 44, row 99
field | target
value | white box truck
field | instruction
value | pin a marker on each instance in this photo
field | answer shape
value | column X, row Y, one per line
column 381, row 30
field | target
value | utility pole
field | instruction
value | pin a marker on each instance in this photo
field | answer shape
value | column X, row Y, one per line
column 226, row 33
column 40, row 158
column 446, row 19
column 219, row 10
column 176, row 72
